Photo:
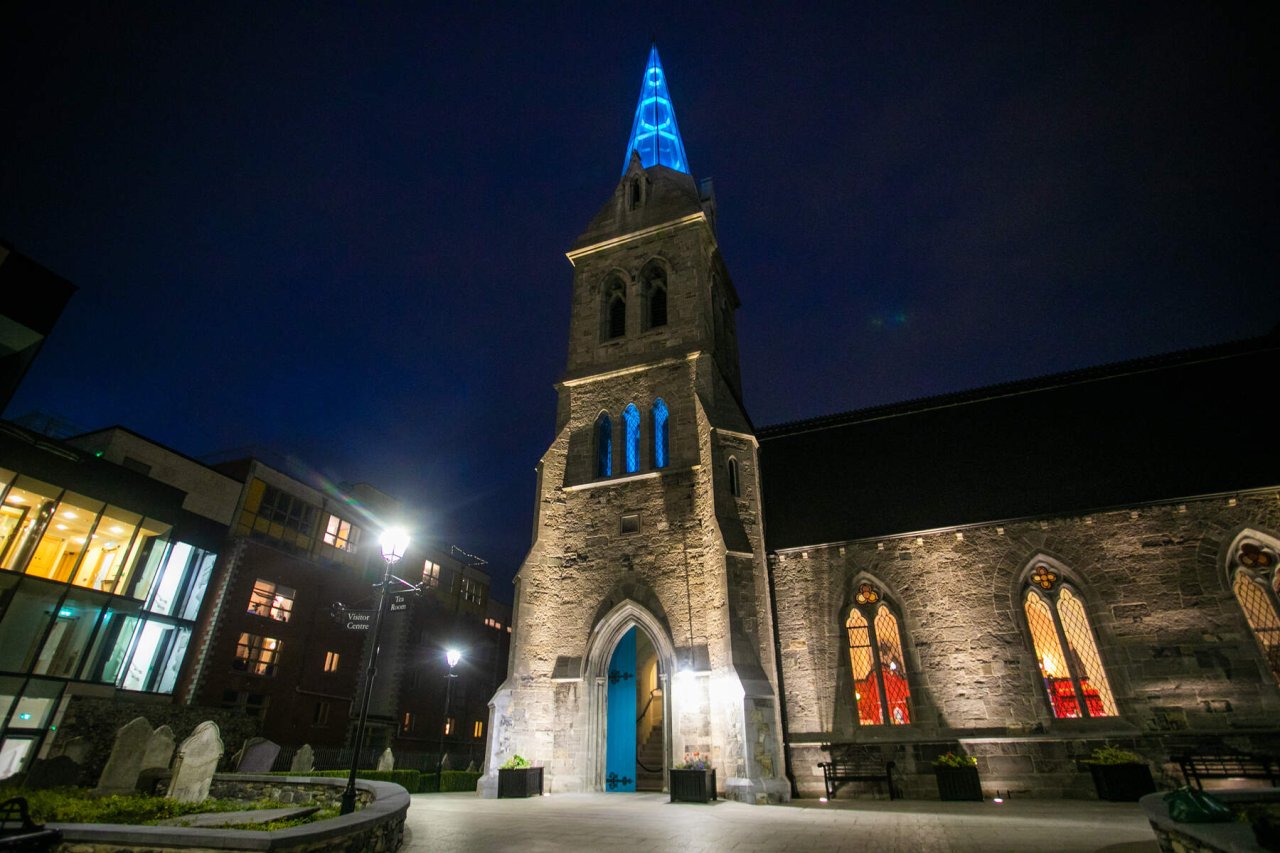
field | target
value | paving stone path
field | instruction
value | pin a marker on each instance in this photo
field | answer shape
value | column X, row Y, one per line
column 621, row 823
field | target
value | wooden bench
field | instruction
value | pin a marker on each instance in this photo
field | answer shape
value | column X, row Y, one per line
column 1228, row 765
column 18, row 832
column 857, row 767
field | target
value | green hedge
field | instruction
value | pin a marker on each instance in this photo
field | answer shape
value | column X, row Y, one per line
column 410, row 780
column 454, row 780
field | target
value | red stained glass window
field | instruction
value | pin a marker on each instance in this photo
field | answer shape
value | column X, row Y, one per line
column 1075, row 682
column 880, row 688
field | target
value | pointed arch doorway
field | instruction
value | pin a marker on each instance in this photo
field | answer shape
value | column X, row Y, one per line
column 630, row 659
column 634, row 723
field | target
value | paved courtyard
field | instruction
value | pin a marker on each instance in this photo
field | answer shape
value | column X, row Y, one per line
column 620, row 823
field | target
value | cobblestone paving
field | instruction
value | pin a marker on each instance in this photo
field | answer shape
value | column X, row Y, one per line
column 620, row 823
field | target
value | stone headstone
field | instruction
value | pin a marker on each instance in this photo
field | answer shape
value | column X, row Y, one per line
column 159, row 751
column 444, row 762
column 120, row 775
column 77, row 749
column 197, row 760
column 304, row 760
column 471, row 768
column 257, row 756
column 386, row 761
column 59, row 772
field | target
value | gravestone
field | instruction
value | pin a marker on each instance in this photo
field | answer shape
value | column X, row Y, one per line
column 304, row 760
column 257, row 756
column 386, row 761
column 59, row 772
column 159, row 751
column 77, row 749
column 120, row 775
column 197, row 760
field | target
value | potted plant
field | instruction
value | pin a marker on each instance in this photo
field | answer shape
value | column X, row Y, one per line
column 1119, row 775
column 957, row 777
column 518, row 778
column 693, row 780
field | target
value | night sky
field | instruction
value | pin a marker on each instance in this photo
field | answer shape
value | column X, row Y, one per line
column 337, row 232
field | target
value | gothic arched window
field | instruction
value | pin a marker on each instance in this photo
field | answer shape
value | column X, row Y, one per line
column 1074, row 680
column 631, row 425
column 1254, row 580
column 613, row 305
column 661, row 443
column 735, row 487
column 654, row 280
column 880, row 690
column 604, row 446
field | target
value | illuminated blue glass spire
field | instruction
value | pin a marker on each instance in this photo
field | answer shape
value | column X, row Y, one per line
column 654, row 132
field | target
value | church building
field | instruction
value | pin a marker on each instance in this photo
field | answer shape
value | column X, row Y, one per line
column 1019, row 573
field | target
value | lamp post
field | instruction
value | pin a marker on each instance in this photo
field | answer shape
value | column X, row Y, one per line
column 452, row 656
column 394, row 543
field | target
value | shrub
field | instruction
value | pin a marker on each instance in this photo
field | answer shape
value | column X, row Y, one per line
column 515, row 762
column 951, row 760
column 1114, row 755
column 460, row 780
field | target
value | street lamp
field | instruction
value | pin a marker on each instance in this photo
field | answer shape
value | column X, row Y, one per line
column 394, row 543
column 452, row 656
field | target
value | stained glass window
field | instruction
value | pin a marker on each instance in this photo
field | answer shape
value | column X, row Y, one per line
column 1074, row 681
column 631, row 420
column 1254, row 586
column 880, row 688
column 660, row 442
column 604, row 446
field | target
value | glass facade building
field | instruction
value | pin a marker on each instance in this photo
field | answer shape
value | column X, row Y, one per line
column 101, row 583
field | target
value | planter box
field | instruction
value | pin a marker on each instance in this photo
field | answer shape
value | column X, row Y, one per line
column 1122, row 783
column 958, row 783
column 521, row 782
column 693, row 786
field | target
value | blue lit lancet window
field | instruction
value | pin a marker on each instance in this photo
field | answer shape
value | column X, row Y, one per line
column 654, row 133
column 604, row 446
column 660, row 444
column 631, row 419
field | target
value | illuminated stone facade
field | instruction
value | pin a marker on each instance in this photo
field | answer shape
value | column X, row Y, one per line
column 668, row 548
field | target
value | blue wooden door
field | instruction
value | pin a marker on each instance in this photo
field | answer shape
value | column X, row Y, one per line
column 620, row 754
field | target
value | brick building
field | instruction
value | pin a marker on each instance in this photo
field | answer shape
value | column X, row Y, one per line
column 1022, row 572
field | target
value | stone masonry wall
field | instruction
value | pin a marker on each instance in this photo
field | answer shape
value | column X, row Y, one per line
column 1183, row 665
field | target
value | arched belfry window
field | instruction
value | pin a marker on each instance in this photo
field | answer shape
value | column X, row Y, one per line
column 654, row 288
column 880, row 691
column 1254, row 581
column 631, row 425
column 604, row 446
column 613, row 308
column 661, row 442
column 1066, row 651
column 735, row 487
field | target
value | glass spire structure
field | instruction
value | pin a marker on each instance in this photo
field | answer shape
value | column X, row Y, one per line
column 654, row 133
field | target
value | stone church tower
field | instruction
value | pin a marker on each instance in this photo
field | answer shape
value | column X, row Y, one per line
column 643, row 627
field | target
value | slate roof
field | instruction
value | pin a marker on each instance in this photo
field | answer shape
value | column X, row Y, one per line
column 1189, row 423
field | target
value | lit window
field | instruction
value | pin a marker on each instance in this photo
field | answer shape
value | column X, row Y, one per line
column 661, row 443
column 271, row 600
column 449, row 724
column 1254, row 582
column 406, row 723
column 478, row 729
column 1074, row 680
column 341, row 534
column 320, row 715
column 734, row 488
column 257, row 655
column 604, row 446
column 631, row 421
column 880, row 689
column 331, row 661
column 430, row 575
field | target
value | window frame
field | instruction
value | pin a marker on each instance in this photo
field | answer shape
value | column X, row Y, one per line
column 1047, row 580
column 1263, row 578
column 869, row 611
column 254, row 661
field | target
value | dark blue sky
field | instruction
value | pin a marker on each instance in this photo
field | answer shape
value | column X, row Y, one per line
column 338, row 231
